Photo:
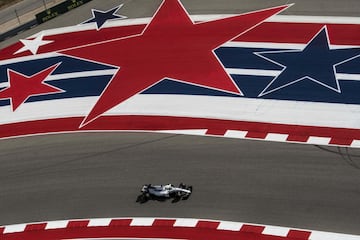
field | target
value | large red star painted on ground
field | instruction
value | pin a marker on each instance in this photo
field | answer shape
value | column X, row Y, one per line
column 22, row 87
column 171, row 46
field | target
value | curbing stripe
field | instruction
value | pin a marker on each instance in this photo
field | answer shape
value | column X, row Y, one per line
column 78, row 224
column 235, row 134
column 56, row 224
column 319, row 140
column 276, row 137
column 276, row 231
column 15, row 228
column 229, row 226
column 252, row 228
column 299, row 234
column 233, row 227
column 355, row 143
column 164, row 222
column 100, row 222
column 315, row 235
column 120, row 222
column 35, row 227
column 320, row 135
column 142, row 222
column 269, row 136
column 185, row 222
column 207, row 224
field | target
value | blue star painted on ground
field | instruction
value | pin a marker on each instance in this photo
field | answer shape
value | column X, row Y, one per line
column 100, row 17
column 316, row 62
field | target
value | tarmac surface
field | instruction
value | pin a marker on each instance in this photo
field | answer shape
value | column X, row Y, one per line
column 92, row 175
column 22, row 13
column 146, row 8
column 23, row 7
column 100, row 175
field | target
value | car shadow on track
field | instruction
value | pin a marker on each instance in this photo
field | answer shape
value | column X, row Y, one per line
column 143, row 199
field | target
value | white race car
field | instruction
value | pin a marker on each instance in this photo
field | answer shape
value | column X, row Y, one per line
column 163, row 192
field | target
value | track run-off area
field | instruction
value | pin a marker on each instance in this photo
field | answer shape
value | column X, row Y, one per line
column 80, row 142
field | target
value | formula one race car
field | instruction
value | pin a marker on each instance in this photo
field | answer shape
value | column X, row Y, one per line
column 164, row 192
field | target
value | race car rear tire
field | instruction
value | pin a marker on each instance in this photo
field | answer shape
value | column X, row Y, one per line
column 142, row 198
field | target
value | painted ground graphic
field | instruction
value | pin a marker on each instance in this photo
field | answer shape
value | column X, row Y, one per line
column 159, row 228
column 244, row 76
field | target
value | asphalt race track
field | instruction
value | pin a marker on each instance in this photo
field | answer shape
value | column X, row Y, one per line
column 94, row 175
column 100, row 175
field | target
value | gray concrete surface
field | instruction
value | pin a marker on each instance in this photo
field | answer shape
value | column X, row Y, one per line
column 100, row 175
column 22, row 13
column 146, row 8
column 20, row 8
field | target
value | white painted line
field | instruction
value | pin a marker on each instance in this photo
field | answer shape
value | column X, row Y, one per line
column 276, row 137
column 14, row 228
column 276, row 231
column 200, row 132
column 274, row 73
column 276, row 45
column 82, row 74
column 230, row 226
column 346, row 76
column 288, row 18
column 99, row 222
column 318, row 140
column 235, row 134
column 56, row 224
column 185, row 222
column 253, row 72
column 142, row 222
column 314, row 19
column 316, row 235
column 290, row 46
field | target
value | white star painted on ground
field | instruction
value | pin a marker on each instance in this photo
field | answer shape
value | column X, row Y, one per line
column 32, row 45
